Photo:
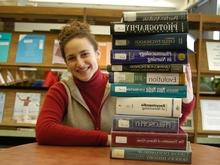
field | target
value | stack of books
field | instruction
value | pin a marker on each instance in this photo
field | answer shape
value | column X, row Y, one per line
column 147, row 77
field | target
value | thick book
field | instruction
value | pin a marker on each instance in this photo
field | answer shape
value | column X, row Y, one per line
column 160, row 155
column 130, row 56
column 165, row 42
column 30, row 48
column 147, row 78
column 172, row 68
column 26, row 107
column 145, row 123
column 125, row 28
column 5, row 40
column 163, row 140
column 148, row 90
column 150, row 16
column 2, row 105
column 152, row 106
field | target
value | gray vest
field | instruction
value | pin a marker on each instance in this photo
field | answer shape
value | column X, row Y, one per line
column 78, row 113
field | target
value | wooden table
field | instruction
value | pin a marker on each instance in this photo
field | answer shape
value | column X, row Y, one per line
column 33, row 154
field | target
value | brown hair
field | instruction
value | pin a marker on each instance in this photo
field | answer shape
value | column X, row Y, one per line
column 75, row 29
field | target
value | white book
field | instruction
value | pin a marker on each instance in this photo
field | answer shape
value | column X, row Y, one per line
column 154, row 106
column 2, row 105
column 26, row 107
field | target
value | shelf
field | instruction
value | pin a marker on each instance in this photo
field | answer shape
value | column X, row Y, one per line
column 58, row 14
column 208, row 140
column 17, row 133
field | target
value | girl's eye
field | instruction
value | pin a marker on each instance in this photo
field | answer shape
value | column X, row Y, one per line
column 84, row 54
column 71, row 58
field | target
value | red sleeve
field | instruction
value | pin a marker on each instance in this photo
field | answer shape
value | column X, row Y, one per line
column 186, row 110
column 50, row 130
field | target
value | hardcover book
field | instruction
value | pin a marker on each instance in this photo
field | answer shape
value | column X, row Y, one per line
column 30, row 48
column 148, row 57
column 150, row 16
column 147, row 78
column 153, row 106
column 173, row 68
column 150, row 139
column 162, row 155
column 2, row 105
column 163, row 42
column 145, row 123
column 119, row 28
column 57, row 56
column 26, row 107
column 147, row 90
column 5, row 40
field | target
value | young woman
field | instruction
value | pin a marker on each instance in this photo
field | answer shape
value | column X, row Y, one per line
column 78, row 110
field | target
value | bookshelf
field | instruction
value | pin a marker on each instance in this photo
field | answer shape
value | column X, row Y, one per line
column 10, row 14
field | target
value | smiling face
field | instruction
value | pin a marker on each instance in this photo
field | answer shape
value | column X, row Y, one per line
column 81, row 58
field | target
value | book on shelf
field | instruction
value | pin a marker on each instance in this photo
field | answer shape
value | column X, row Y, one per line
column 9, row 77
column 154, row 16
column 162, row 155
column 26, row 107
column 148, row 90
column 2, row 80
column 5, row 40
column 104, row 48
column 166, row 41
column 57, row 55
column 2, row 105
column 172, row 68
column 131, row 56
column 145, row 123
column 30, row 48
column 157, row 140
column 188, row 125
column 154, row 106
column 125, row 28
column 210, row 114
column 147, row 78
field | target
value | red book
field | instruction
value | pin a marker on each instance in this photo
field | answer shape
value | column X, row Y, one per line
column 150, row 139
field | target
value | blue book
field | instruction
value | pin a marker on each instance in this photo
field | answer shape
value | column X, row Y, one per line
column 2, row 104
column 148, row 90
column 145, row 123
column 167, row 41
column 130, row 56
column 30, row 48
column 5, row 39
column 162, row 155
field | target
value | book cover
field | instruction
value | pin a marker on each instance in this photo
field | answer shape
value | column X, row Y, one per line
column 145, row 123
column 147, row 78
column 57, row 55
column 154, row 106
column 173, row 68
column 2, row 105
column 149, row 139
column 162, row 155
column 148, row 90
column 26, row 107
column 154, row 16
column 104, row 48
column 148, row 57
column 125, row 28
column 163, row 42
column 5, row 40
column 30, row 48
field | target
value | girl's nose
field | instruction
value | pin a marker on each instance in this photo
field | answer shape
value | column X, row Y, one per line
column 79, row 62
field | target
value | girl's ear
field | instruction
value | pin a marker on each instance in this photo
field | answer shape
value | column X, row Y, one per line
column 98, row 53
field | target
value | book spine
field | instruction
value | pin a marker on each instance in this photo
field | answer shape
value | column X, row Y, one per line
column 155, row 106
column 145, row 123
column 163, row 155
column 154, row 16
column 148, row 57
column 173, row 68
column 149, row 27
column 167, row 41
column 149, row 140
column 147, row 78
column 148, row 90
